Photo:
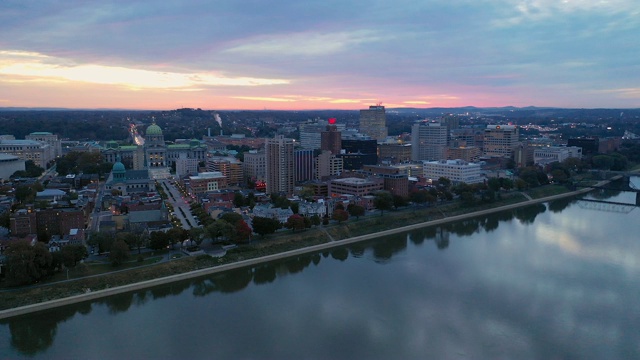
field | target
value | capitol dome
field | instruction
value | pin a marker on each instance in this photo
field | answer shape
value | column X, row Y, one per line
column 118, row 167
column 154, row 129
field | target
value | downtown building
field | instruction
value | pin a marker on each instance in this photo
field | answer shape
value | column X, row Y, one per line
column 229, row 166
column 280, row 169
column 40, row 153
column 458, row 171
column 500, row 141
column 373, row 122
column 428, row 141
column 48, row 138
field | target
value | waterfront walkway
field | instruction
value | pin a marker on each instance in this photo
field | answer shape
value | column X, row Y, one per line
column 252, row 262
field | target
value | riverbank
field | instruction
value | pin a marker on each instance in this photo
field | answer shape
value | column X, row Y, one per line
column 208, row 265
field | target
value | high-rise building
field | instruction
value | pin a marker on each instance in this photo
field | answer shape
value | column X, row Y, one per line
column 304, row 164
column 428, row 141
column 331, row 140
column 359, row 152
column 500, row 140
column 280, row 165
column 394, row 153
column 373, row 122
column 327, row 165
column 310, row 133
column 229, row 166
column 255, row 163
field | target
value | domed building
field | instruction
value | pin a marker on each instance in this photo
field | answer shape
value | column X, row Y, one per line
column 126, row 182
column 156, row 156
column 155, row 149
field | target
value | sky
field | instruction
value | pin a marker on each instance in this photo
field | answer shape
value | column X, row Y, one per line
column 330, row 54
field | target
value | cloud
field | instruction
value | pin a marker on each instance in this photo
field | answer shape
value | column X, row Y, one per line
column 626, row 93
column 30, row 66
column 306, row 43
column 261, row 98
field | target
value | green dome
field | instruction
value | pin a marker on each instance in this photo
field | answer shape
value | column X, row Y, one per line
column 194, row 143
column 154, row 129
column 118, row 167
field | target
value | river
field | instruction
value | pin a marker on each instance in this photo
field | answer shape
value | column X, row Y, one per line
column 551, row 281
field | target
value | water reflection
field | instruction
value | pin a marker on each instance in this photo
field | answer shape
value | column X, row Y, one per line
column 35, row 333
column 535, row 307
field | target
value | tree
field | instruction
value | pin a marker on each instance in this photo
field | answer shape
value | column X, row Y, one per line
column 506, row 183
column 559, row 176
column 356, row 210
column 219, row 228
column 295, row 222
column 25, row 194
column 102, row 240
column 176, row 235
column 158, row 240
column 238, row 199
column 242, row 233
column 444, row 182
column 265, row 226
column 231, row 217
column 467, row 198
column 418, row 197
column 315, row 220
column 197, row 235
column 72, row 254
column 494, row 184
column 399, row 201
column 5, row 219
column 26, row 264
column 383, row 201
column 119, row 252
column 340, row 215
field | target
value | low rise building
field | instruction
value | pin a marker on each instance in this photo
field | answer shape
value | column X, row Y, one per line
column 207, row 181
column 355, row 186
column 548, row 154
column 455, row 170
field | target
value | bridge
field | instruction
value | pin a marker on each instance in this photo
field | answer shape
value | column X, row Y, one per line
column 619, row 182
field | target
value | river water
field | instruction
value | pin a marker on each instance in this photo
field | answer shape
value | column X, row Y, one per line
column 552, row 281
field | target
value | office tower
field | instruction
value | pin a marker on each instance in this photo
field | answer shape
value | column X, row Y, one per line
column 373, row 122
column 311, row 132
column 394, row 153
column 500, row 140
column 304, row 164
column 428, row 141
column 359, row 152
column 589, row 145
column 255, row 163
column 280, row 165
column 331, row 140
column 229, row 166
column 327, row 165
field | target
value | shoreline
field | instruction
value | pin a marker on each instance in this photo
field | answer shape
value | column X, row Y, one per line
column 27, row 309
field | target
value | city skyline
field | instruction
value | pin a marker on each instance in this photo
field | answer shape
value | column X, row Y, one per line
column 319, row 55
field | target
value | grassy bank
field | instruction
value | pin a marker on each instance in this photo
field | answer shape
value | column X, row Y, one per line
column 258, row 248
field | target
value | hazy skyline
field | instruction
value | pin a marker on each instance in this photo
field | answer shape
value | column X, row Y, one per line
column 319, row 55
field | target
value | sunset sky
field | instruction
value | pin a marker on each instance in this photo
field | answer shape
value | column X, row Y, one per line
column 257, row 54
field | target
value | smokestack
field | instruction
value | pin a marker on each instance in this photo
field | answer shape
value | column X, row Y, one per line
column 220, row 132
column 209, row 132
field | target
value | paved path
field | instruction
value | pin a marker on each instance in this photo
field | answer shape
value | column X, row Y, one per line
column 251, row 262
